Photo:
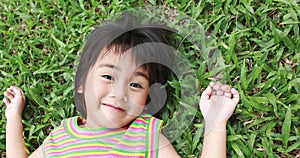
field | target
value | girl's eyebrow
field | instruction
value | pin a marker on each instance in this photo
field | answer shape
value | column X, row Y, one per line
column 139, row 73
column 109, row 66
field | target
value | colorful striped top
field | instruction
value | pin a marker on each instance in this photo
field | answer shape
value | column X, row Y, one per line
column 139, row 140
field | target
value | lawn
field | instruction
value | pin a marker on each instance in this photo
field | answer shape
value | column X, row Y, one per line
column 40, row 43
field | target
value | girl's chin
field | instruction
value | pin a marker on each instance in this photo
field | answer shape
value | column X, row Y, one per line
column 116, row 121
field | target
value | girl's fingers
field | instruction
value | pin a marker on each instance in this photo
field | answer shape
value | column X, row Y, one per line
column 222, row 90
column 8, row 95
column 17, row 91
column 236, row 95
column 218, row 89
column 227, row 91
column 11, row 89
column 6, row 102
column 214, row 92
column 226, row 88
column 228, row 95
column 207, row 93
column 220, row 93
column 12, row 93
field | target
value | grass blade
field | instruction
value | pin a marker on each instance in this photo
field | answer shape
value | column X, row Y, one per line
column 286, row 127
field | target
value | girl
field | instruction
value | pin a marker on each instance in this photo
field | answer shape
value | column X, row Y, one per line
column 118, row 65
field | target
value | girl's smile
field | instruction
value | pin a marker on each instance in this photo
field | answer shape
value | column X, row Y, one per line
column 113, row 107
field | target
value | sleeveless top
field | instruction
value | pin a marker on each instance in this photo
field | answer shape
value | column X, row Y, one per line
column 138, row 140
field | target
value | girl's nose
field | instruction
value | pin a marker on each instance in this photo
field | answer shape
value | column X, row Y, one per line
column 119, row 91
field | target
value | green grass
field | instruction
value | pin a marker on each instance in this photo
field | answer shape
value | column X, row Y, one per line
column 40, row 42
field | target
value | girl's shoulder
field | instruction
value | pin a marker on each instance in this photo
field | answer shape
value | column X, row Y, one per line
column 148, row 120
column 65, row 125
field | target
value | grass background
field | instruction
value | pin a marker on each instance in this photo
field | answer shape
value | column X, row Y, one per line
column 40, row 42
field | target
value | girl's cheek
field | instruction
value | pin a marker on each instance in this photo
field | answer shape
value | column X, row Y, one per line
column 136, row 110
column 141, row 100
column 101, row 87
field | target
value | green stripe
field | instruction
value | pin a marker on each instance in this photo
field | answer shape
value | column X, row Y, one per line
column 77, row 145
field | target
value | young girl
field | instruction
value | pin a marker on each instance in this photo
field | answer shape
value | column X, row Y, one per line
column 118, row 65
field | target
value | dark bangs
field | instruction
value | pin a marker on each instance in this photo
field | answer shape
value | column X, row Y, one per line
column 149, row 49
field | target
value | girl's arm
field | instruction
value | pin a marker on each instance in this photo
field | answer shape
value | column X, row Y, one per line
column 217, row 104
column 15, row 146
column 166, row 149
column 214, row 144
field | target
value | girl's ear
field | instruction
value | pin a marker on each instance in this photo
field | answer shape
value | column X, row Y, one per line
column 80, row 89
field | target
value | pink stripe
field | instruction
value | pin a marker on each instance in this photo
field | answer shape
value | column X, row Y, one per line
column 108, row 156
column 128, row 137
column 107, row 141
column 55, row 138
column 57, row 131
column 137, row 129
column 60, row 145
column 138, row 121
column 131, row 147
column 97, row 155
column 153, row 136
column 70, row 143
column 91, row 132
column 84, row 149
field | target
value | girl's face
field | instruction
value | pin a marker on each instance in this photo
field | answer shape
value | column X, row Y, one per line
column 115, row 91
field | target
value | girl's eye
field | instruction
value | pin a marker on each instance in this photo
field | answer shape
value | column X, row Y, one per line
column 108, row 77
column 135, row 85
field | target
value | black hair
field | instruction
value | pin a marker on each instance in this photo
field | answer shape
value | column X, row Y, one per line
column 151, row 44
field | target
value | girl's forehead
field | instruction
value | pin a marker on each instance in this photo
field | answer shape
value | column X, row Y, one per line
column 114, row 58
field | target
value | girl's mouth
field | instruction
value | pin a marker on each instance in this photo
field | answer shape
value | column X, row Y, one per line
column 113, row 107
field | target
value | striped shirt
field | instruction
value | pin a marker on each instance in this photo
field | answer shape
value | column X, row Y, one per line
column 139, row 140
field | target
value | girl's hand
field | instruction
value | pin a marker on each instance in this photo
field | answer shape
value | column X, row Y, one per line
column 15, row 102
column 217, row 103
